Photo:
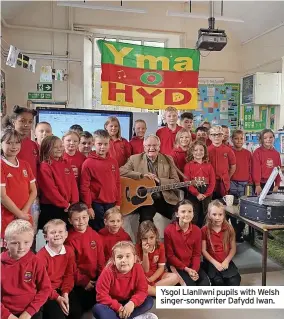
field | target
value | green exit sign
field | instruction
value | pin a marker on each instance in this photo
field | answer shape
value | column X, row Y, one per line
column 44, row 87
column 39, row 96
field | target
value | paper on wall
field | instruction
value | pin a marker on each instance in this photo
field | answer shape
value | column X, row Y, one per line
column 12, row 56
column 45, row 74
column 211, row 91
column 32, row 65
column 224, row 116
column 224, row 106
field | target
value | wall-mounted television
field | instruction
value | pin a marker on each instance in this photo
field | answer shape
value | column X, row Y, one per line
column 91, row 120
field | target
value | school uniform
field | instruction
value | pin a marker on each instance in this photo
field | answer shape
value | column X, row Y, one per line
column 120, row 150
column 25, row 285
column 17, row 180
column 90, row 261
column 109, row 240
column 30, row 153
column 221, row 157
column 157, row 258
column 60, row 268
column 115, row 289
column 183, row 249
column 179, row 156
column 214, row 247
column 167, row 138
column 136, row 144
column 76, row 161
column 239, row 180
column 100, row 186
column 263, row 162
column 58, row 189
column 194, row 170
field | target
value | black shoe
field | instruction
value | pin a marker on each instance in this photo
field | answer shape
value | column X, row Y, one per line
column 240, row 239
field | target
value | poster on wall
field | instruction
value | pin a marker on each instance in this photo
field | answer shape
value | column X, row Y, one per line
column 148, row 77
column 250, row 124
column 218, row 104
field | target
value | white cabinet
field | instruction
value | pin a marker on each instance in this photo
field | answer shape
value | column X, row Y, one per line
column 261, row 88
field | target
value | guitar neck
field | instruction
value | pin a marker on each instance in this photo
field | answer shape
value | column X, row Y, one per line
column 168, row 187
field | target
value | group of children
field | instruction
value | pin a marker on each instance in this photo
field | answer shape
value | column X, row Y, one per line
column 82, row 269
column 51, row 175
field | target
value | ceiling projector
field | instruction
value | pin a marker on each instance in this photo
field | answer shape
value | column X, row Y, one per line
column 211, row 39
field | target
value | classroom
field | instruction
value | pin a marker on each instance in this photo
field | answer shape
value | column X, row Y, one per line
column 139, row 122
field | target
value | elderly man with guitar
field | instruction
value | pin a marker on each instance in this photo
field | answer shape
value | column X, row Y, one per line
column 150, row 183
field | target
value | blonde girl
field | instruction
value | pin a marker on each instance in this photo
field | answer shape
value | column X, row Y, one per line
column 71, row 140
column 137, row 140
column 119, row 147
column 152, row 255
column 181, row 148
column 199, row 168
column 219, row 247
column 57, row 183
column 122, row 286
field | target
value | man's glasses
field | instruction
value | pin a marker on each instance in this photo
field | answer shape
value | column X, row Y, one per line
column 155, row 146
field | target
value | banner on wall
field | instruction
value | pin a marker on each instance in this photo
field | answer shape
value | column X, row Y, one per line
column 148, row 77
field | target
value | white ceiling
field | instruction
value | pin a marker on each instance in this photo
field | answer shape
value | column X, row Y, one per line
column 258, row 16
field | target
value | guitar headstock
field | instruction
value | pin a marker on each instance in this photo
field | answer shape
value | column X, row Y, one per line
column 199, row 181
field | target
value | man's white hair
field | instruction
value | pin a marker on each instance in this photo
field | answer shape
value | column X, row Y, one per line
column 152, row 136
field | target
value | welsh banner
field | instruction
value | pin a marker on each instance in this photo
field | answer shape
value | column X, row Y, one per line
column 148, row 77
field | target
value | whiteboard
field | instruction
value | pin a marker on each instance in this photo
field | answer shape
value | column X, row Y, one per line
column 150, row 118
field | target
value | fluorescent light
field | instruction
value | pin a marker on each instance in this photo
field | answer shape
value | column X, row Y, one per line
column 200, row 16
column 95, row 7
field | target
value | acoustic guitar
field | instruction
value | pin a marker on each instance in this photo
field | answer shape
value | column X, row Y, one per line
column 137, row 193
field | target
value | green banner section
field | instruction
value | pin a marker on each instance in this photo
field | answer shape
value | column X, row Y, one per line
column 252, row 125
column 145, row 57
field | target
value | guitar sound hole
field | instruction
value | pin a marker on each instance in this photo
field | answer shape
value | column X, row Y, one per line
column 142, row 192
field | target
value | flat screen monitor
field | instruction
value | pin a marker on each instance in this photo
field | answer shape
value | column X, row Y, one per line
column 91, row 120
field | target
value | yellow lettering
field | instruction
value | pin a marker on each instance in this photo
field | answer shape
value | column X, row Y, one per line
column 152, row 61
column 185, row 64
column 118, row 55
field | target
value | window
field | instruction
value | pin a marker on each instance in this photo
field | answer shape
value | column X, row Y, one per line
column 97, row 71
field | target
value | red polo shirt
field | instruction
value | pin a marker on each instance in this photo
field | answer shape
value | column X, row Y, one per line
column 179, row 156
column 217, row 251
column 120, row 150
column 204, row 170
column 183, row 249
column 167, row 138
column 222, row 157
column 136, row 144
column 263, row 162
column 243, row 166
column 156, row 258
column 75, row 161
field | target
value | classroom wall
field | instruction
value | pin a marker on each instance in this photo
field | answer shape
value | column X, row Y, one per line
column 76, row 91
column 264, row 53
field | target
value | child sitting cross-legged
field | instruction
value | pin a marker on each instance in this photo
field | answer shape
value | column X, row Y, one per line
column 122, row 287
column 59, row 261
column 89, row 254
column 25, row 285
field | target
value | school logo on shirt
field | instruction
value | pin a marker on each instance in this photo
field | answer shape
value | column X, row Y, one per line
column 156, row 259
column 66, row 171
column 75, row 170
column 93, row 244
column 9, row 175
column 25, row 173
column 28, row 276
column 269, row 163
column 34, row 152
column 225, row 155
column 113, row 168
